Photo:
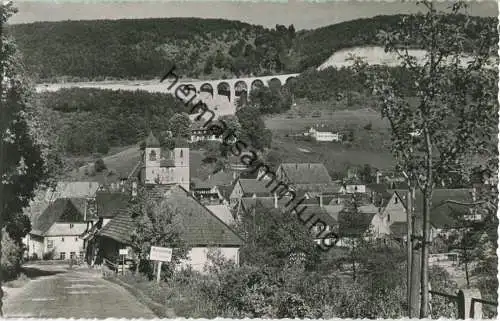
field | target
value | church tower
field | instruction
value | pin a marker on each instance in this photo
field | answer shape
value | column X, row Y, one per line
column 181, row 162
column 152, row 156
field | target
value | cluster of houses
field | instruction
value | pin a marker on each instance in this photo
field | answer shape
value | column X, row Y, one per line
column 91, row 221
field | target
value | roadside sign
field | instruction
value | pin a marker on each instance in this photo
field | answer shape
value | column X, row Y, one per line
column 123, row 251
column 162, row 254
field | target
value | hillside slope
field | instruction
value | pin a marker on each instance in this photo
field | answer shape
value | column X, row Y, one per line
column 200, row 48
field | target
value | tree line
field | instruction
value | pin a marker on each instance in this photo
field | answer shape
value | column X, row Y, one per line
column 144, row 48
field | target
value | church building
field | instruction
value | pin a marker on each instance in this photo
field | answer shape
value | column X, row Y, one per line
column 163, row 166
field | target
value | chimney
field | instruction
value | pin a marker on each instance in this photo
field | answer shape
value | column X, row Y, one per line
column 320, row 200
column 275, row 200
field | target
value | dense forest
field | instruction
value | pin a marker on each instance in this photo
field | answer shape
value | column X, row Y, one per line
column 201, row 48
column 86, row 121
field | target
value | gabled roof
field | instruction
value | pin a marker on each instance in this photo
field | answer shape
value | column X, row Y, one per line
column 306, row 173
column 201, row 227
column 320, row 188
column 223, row 213
column 62, row 210
column 442, row 211
column 309, row 213
column 253, row 186
column 119, row 228
column 109, row 204
column 217, row 179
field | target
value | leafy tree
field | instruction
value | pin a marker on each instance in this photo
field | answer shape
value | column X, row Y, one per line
column 21, row 158
column 157, row 224
column 212, row 152
column 180, row 125
column 353, row 228
column 99, row 165
column 255, row 133
column 366, row 174
column 456, row 110
column 273, row 237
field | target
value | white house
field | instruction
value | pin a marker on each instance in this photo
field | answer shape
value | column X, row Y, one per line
column 57, row 230
column 324, row 136
column 202, row 230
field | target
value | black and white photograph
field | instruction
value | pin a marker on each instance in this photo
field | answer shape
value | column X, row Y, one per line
column 296, row 159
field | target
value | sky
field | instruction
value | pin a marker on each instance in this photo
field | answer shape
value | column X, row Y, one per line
column 302, row 14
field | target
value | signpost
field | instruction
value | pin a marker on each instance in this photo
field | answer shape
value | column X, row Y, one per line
column 160, row 254
column 123, row 253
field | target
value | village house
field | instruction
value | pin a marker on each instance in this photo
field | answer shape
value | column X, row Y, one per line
column 249, row 188
column 324, row 136
column 58, row 215
column 214, row 189
column 203, row 231
column 392, row 219
column 202, row 133
column 56, row 232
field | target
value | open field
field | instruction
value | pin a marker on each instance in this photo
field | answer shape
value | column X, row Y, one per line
column 335, row 156
column 333, row 119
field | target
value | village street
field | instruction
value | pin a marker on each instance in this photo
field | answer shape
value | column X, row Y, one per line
column 63, row 293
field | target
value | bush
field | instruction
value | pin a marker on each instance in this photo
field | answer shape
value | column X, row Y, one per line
column 49, row 255
column 99, row 165
column 11, row 257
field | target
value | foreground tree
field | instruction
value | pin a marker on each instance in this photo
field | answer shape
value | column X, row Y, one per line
column 21, row 158
column 453, row 115
column 274, row 238
column 157, row 224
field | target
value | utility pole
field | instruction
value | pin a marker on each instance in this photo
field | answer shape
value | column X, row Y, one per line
column 415, row 261
column 409, row 219
column 3, row 125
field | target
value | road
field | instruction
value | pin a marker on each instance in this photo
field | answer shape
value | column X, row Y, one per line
column 62, row 293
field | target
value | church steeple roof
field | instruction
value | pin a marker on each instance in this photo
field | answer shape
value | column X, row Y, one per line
column 152, row 141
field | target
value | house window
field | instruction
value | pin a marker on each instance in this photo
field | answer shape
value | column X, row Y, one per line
column 71, row 225
column 72, row 255
column 62, row 239
column 50, row 244
column 395, row 200
column 181, row 154
column 76, row 239
column 62, row 256
column 81, row 255
column 389, row 217
column 152, row 156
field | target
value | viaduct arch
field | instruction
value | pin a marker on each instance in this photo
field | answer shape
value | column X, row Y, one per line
column 235, row 88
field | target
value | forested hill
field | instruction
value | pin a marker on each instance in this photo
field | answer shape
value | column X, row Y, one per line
column 200, row 48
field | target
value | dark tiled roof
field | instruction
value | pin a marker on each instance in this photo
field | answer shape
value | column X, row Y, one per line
column 442, row 212
column 119, row 228
column 323, row 188
column 307, row 211
column 253, row 186
column 377, row 188
column 306, row 173
column 61, row 210
column 361, row 226
column 201, row 227
column 109, row 204
column 217, row 179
